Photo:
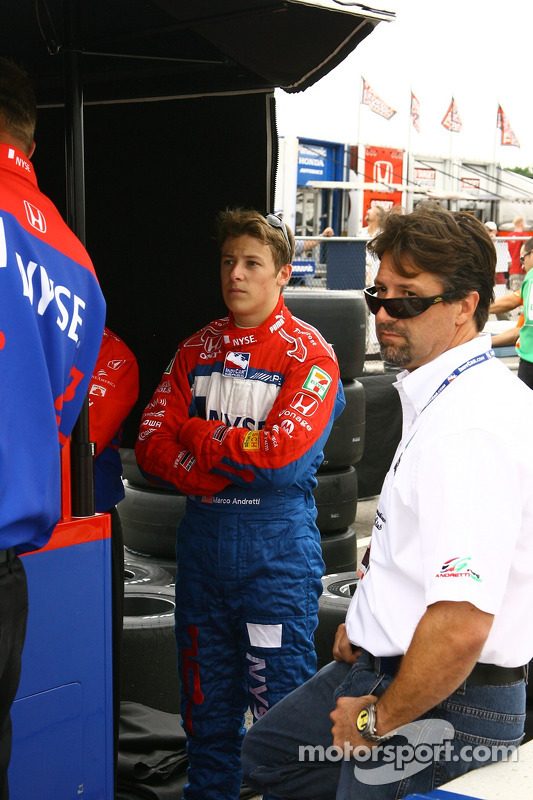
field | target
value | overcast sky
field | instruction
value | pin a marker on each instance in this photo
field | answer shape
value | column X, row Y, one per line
column 478, row 51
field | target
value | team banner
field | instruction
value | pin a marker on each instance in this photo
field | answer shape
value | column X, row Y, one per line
column 452, row 121
column 415, row 112
column 375, row 103
column 507, row 136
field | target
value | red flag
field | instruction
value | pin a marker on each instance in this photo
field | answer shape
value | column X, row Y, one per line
column 452, row 121
column 415, row 112
column 375, row 103
column 508, row 137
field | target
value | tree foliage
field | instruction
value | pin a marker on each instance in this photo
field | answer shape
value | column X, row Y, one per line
column 526, row 171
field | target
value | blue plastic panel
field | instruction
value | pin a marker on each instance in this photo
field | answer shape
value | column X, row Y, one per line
column 66, row 660
column 56, row 715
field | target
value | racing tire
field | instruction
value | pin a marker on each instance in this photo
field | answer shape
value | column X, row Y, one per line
column 346, row 440
column 168, row 564
column 149, row 664
column 339, row 550
column 340, row 316
column 141, row 570
column 337, row 591
column 336, row 499
column 150, row 518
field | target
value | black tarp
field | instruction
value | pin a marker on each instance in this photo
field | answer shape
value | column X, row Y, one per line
column 169, row 48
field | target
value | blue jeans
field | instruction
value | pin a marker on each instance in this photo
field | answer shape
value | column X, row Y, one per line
column 282, row 752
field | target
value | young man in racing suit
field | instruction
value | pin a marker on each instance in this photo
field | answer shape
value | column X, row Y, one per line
column 239, row 422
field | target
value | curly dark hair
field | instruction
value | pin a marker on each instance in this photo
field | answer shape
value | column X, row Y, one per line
column 454, row 246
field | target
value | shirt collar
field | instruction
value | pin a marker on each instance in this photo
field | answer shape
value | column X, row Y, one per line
column 416, row 388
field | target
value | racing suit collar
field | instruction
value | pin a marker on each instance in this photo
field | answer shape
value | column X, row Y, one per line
column 16, row 161
column 268, row 328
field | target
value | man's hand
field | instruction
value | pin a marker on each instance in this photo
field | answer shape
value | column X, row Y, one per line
column 343, row 649
column 344, row 717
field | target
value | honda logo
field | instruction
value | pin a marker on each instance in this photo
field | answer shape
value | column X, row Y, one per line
column 304, row 404
column 383, row 172
column 35, row 217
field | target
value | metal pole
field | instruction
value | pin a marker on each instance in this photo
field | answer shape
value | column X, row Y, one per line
column 82, row 449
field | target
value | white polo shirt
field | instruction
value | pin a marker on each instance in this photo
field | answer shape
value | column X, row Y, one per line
column 455, row 517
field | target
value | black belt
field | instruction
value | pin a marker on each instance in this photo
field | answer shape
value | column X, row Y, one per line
column 7, row 555
column 481, row 675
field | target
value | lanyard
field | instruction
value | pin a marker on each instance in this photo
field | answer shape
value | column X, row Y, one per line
column 472, row 362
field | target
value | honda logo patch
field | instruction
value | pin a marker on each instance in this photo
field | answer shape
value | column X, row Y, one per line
column 35, row 217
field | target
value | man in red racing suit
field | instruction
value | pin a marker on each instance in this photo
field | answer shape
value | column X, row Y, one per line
column 239, row 422
column 52, row 315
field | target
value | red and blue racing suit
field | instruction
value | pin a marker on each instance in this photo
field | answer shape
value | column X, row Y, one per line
column 51, row 323
column 238, row 423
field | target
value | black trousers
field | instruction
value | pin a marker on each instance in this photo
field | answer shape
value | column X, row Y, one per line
column 525, row 372
column 13, row 617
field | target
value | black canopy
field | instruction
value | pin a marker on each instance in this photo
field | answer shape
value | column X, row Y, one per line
column 170, row 48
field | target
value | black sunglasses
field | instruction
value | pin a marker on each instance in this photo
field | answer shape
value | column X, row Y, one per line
column 523, row 258
column 403, row 307
column 277, row 222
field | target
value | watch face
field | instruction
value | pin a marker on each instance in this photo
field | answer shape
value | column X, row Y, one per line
column 362, row 719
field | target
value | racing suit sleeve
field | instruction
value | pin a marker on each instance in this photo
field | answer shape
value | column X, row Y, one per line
column 285, row 450
column 160, row 454
column 113, row 390
column 204, row 456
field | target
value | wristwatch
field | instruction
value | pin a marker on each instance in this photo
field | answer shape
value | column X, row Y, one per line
column 366, row 724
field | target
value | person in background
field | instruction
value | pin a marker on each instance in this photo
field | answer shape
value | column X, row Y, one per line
column 304, row 245
column 516, row 272
column 432, row 658
column 503, row 264
column 522, row 297
column 113, row 392
column 374, row 219
column 52, row 314
column 510, row 336
column 238, row 423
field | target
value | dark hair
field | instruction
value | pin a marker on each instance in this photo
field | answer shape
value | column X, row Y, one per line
column 242, row 222
column 18, row 108
column 454, row 246
column 528, row 245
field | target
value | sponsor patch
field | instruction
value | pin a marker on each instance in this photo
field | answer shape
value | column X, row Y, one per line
column 458, row 568
column 252, row 441
column 220, row 433
column 236, row 365
column 318, row 382
column 116, row 363
column 99, row 391
column 168, row 371
column 186, row 460
column 304, row 404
